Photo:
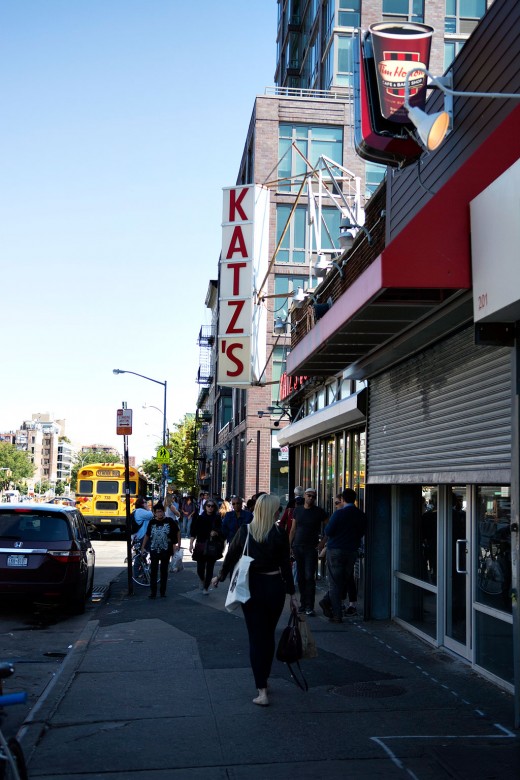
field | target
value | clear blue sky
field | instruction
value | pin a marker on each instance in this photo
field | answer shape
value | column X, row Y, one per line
column 121, row 121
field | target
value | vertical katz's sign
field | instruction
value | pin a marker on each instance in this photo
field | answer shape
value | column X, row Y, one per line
column 243, row 265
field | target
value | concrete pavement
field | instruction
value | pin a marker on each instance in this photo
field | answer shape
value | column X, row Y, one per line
column 163, row 689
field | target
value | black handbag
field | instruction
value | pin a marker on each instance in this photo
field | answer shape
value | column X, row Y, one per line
column 290, row 650
column 213, row 548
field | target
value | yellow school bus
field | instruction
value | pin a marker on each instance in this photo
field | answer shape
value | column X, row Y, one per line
column 100, row 494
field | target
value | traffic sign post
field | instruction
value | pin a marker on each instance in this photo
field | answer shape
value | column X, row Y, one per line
column 124, row 429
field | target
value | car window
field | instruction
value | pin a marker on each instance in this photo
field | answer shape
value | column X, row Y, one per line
column 34, row 526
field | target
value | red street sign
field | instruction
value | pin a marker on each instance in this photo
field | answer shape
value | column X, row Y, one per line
column 124, row 422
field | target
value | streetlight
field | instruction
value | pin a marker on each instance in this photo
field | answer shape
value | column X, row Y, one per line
column 157, row 382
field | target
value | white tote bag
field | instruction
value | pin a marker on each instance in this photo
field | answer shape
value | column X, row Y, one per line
column 238, row 592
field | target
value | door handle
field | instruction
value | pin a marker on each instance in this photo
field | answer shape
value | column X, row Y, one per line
column 460, row 566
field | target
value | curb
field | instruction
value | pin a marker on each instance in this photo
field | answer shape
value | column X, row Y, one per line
column 38, row 719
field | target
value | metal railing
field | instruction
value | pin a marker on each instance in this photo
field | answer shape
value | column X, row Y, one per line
column 315, row 94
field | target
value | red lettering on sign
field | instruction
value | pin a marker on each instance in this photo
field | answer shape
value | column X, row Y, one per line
column 236, row 276
column 237, row 243
column 233, row 321
column 229, row 353
column 235, row 204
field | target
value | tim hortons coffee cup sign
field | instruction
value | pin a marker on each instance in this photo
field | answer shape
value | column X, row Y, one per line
column 398, row 50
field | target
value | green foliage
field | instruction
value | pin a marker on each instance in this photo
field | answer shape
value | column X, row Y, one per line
column 183, row 467
column 91, row 456
column 17, row 461
column 42, row 486
column 183, row 448
column 60, row 488
column 152, row 470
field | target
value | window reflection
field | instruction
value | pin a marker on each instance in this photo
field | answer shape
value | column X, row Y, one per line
column 494, row 547
column 418, row 532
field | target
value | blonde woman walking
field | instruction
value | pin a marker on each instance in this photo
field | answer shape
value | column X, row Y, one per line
column 270, row 579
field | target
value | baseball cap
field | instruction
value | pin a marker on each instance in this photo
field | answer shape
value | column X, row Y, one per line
column 310, row 490
column 298, row 491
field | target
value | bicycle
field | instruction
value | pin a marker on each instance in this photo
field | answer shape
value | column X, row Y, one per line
column 140, row 566
column 12, row 761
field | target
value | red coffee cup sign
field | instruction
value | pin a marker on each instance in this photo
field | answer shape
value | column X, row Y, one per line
column 398, row 50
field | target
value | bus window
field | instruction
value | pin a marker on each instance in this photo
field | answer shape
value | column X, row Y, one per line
column 108, row 486
column 86, row 487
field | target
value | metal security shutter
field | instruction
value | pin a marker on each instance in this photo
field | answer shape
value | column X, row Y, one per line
column 442, row 416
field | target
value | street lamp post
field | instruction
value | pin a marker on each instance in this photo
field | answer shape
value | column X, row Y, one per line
column 165, row 385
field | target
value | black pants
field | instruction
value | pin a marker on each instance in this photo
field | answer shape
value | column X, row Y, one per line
column 205, row 568
column 306, row 558
column 156, row 559
column 262, row 613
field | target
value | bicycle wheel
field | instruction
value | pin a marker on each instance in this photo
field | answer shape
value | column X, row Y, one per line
column 6, row 770
column 140, row 571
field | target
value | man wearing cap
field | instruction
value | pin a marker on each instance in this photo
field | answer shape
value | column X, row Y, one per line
column 304, row 537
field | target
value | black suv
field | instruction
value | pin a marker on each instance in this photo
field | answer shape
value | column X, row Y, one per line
column 46, row 554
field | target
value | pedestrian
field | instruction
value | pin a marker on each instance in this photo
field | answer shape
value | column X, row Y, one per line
column 287, row 517
column 224, row 508
column 203, row 496
column 270, row 579
column 164, row 536
column 171, row 508
column 236, row 517
column 206, row 526
column 307, row 525
column 343, row 535
column 142, row 516
column 187, row 511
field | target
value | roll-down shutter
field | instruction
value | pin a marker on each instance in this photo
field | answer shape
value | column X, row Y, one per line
column 442, row 416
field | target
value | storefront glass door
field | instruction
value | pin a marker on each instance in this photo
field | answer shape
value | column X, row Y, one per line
column 457, row 571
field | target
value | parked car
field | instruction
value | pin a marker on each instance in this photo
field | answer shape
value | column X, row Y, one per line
column 46, row 554
column 65, row 500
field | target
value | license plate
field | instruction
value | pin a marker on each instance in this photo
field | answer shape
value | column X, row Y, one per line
column 17, row 560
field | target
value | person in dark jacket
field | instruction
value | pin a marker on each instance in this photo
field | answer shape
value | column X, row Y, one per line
column 235, row 518
column 343, row 535
column 206, row 526
column 270, row 579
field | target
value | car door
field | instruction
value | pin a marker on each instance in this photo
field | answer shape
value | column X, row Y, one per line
column 86, row 548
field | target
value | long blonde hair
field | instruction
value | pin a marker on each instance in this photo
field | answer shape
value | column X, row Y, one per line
column 225, row 507
column 264, row 516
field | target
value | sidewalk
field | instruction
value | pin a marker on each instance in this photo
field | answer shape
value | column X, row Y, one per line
column 162, row 689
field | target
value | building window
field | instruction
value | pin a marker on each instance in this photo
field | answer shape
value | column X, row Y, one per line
column 344, row 75
column 374, row 175
column 403, row 10
column 296, row 243
column 451, row 49
column 278, row 367
column 312, row 142
column 286, row 285
column 462, row 16
column 292, row 249
column 349, row 13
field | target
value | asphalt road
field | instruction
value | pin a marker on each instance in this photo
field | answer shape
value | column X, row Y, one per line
column 37, row 639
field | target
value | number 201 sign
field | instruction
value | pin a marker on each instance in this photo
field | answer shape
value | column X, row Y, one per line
column 243, row 265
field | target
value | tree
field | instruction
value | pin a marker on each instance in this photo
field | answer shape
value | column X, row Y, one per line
column 183, row 469
column 183, row 466
column 15, row 464
column 91, row 456
column 60, row 488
